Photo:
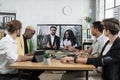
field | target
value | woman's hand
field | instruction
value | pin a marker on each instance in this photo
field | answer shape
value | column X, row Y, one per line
column 71, row 60
column 70, row 48
column 67, row 60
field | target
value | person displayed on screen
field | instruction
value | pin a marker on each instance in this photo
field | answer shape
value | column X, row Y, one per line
column 109, row 58
column 24, row 41
column 9, row 52
column 69, row 40
column 52, row 41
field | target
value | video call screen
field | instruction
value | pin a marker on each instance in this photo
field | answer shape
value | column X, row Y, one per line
column 44, row 29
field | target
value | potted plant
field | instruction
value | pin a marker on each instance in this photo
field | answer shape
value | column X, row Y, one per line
column 39, row 39
column 88, row 20
column 31, row 46
column 47, row 60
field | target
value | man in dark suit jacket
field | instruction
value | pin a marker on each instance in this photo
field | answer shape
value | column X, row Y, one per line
column 51, row 40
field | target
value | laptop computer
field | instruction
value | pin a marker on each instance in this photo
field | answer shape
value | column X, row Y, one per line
column 38, row 56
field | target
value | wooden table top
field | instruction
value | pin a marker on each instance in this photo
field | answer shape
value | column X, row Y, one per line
column 55, row 65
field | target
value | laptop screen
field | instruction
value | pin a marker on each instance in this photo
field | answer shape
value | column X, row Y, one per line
column 38, row 56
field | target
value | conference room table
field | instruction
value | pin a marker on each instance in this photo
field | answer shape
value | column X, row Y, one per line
column 55, row 65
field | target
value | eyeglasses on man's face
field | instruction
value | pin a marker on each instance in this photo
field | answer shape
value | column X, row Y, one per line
column 53, row 29
column 32, row 32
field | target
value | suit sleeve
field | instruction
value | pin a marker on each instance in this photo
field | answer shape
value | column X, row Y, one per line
column 113, row 56
column 58, row 43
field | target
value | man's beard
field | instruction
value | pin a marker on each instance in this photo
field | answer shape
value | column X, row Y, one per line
column 18, row 35
column 53, row 34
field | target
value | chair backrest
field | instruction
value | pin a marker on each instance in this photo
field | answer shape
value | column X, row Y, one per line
column 86, row 45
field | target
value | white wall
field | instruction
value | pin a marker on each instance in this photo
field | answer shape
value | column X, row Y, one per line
column 33, row 12
column 48, row 11
column 99, row 10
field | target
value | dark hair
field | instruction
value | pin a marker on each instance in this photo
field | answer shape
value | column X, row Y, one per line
column 53, row 27
column 13, row 25
column 112, row 25
column 98, row 25
column 71, row 37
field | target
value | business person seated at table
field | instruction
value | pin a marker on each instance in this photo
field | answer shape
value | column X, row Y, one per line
column 109, row 59
column 23, row 41
column 99, row 41
column 69, row 39
column 9, row 52
column 25, row 45
column 94, row 50
column 51, row 41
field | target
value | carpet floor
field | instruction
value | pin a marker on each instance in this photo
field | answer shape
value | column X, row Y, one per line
column 56, row 75
column 51, row 75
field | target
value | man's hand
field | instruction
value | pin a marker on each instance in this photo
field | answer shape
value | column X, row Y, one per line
column 70, row 48
column 55, row 46
column 30, row 54
column 77, row 52
column 48, row 45
column 81, row 53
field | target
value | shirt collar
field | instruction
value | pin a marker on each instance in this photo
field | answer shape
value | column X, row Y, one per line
column 52, row 35
column 10, row 38
column 24, row 37
column 100, row 37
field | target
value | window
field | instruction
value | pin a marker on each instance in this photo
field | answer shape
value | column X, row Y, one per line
column 117, row 2
column 112, row 9
column 109, row 4
column 109, row 13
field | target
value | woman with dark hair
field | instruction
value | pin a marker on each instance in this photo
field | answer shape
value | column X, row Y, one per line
column 109, row 59
column 68, row 40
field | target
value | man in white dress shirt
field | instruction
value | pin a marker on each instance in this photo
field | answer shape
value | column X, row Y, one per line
column 99, row 41
column 52, row 41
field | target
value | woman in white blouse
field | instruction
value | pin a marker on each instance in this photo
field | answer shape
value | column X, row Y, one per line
column 69, row 40
column 9, row 53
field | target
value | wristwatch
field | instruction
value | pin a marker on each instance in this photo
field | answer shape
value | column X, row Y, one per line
column 75, row 59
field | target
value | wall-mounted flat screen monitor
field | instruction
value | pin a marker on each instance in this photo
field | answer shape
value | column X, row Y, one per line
column 44, row 29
